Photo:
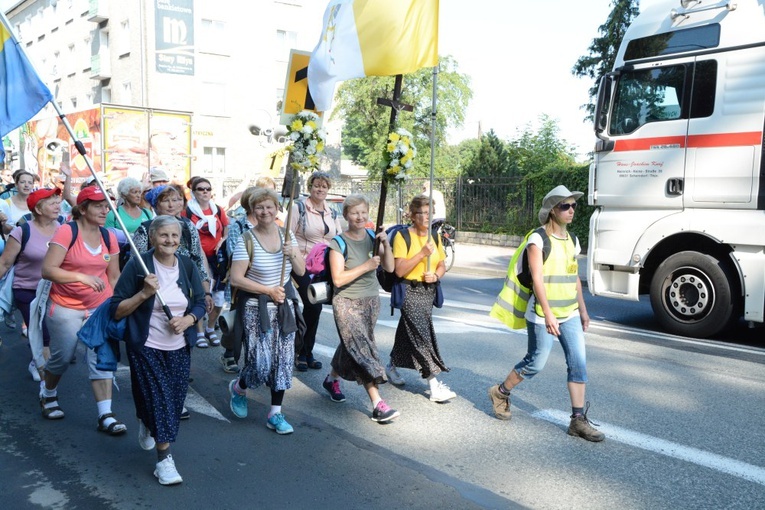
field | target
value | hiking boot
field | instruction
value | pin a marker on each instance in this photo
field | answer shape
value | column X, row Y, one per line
column 500, row 402
column 393, row 376
column 333, row 388
column 278, row 423
column 382, row 413
column 581, row 426
column 166, row 472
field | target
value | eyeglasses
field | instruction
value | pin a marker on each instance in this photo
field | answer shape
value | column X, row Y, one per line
column 565, row 207
column 202, row 189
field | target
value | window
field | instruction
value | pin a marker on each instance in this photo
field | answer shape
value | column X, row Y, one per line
column 85, row 55
column 697, row 38
column 663, row 94
column 124, row 39
column 127, row 93
column 106, row 94
column 71, row 63
column 214, row 161
column 285, row 41
column 73, row 101
column 213, row 37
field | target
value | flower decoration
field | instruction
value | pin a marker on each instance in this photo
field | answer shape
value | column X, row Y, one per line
column 307, row 141
column 399, row 154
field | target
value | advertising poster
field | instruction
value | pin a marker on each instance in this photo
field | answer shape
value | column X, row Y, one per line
column 174, row 33
column 126, row 147
column 170, row 144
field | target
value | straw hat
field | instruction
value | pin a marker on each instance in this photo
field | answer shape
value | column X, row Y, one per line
column 553, row 198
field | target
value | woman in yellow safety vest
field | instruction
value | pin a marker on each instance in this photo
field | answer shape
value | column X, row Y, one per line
column 556, row 310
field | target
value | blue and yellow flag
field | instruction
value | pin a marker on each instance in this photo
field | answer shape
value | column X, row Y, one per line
column 22, row 93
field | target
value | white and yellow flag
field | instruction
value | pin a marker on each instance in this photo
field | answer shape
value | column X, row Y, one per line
column 372, row 38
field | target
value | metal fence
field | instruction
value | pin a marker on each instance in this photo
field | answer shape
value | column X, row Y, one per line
column 477, row 204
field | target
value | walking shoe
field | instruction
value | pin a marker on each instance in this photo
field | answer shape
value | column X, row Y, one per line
column 10, row 321
column 166, row 472
column 393, row 375
column 442, row 393
column 500, row 402
column 144, row 437
column 279, row 424
column 33, row 370
column 382, row 413
column 229, row 364
column 333, row 388
column 238, row 402
column 581, row 426
column 185, row 415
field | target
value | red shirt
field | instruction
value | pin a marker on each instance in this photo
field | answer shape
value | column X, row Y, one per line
column 206, row 238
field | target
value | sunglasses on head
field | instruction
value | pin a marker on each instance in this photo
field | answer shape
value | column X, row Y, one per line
column 566, row 207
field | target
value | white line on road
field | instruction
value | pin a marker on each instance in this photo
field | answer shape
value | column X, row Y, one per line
column 703, row 458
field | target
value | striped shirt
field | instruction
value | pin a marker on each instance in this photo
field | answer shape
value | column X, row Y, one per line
column 265, row 266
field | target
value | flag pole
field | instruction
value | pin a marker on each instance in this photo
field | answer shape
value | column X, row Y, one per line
column 432, row 158
column 81, row 149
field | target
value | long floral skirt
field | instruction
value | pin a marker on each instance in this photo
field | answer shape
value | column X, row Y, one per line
column 269, row 356
column 356, row 358
column 415, row 346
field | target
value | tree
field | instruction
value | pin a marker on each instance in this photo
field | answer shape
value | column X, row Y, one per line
column 537, row 151
column 602, row 51
column 490, row 160
column 366, row 123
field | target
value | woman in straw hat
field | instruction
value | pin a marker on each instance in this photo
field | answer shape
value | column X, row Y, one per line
column 555, row 310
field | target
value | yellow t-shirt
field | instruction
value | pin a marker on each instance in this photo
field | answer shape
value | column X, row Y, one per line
column 400, row 252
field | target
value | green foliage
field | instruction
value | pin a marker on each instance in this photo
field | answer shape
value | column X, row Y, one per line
column 366, row 124
column 602, row 51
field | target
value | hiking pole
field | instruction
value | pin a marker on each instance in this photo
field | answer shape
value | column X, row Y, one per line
column 81, row 149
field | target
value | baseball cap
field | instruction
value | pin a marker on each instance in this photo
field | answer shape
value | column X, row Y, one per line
column 93, row 193
column 40, row 194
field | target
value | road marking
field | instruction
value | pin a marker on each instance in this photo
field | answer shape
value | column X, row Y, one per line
column 702, row 458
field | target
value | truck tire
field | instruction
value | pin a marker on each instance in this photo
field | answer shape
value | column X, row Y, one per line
column 692, row 294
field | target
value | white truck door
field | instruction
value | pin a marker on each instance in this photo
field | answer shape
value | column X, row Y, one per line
column 648, row 127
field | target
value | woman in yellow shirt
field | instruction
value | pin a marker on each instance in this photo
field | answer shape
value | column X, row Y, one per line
column 421, row 265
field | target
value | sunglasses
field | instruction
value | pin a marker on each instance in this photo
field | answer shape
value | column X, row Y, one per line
column 202, row 189
column 566, row 207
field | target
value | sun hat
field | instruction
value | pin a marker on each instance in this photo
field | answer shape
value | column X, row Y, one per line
column 553, row 198
column 41, row 194
column 93, row 193
column 157, row 174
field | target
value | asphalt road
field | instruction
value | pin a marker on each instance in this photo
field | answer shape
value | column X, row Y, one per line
column 683, row 421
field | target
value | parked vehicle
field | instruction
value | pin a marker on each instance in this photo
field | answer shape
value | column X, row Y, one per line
column 678, row 178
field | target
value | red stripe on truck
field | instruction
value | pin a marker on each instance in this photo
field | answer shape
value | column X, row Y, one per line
column 711, row 140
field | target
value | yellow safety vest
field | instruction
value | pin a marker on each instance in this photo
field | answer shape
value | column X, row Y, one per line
column 513, row 301
column 560, row 273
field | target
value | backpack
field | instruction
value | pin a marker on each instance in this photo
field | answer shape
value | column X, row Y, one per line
column 388, row 280
column 318, row 260
column 301, row 214
column 524, row 275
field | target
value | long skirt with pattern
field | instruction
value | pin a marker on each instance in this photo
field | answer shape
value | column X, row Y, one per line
column 415, row 345
column 356, row 357
column 269, row 356
column 159, row 381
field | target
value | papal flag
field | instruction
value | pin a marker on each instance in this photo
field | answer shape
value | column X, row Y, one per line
column 372, row 38
column 22, row 93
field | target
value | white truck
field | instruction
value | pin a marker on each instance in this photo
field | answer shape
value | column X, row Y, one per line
column 678, row 178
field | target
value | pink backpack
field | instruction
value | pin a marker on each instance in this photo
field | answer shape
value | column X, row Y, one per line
column 315, row 262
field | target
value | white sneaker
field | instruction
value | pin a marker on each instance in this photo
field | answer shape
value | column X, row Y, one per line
column 393, row 376
column 33, row 370
column 144, row 437
column 442, row 393
column 166, row 472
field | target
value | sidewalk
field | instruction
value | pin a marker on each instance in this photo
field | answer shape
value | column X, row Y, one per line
column 492, row 261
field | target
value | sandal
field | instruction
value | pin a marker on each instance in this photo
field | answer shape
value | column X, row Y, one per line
column 313, row 363
column 213, row 338
column 202, row 342
column 301, row 364
column 113, row 429
column 53, row 412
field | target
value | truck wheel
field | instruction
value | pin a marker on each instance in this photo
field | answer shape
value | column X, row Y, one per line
column 692, row 295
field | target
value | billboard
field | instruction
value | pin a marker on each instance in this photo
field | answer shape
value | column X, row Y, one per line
column 174, row 36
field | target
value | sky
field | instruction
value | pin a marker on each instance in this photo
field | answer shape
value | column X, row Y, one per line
column 519, row 56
